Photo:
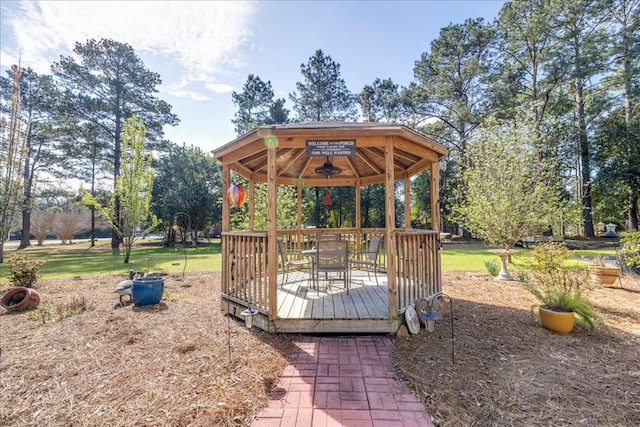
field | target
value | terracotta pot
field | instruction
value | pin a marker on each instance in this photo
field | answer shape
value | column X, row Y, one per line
column 20, row 298
column 556, row 321
column 605, row 275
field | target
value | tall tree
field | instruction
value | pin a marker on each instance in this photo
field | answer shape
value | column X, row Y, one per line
column 86, row 147
column 450, row 81
column 133, row 189
column 528, row 77
column 379, row 101
column 253, row 104
column 278, row 114
column 581, row 48
column 323, row 95
column 39, row 98
column 12, row 154
column 617, row 158
column 625, row 19
column 107, row 84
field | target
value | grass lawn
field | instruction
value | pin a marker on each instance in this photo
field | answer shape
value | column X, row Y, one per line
column 148, row 255
column 472, row 256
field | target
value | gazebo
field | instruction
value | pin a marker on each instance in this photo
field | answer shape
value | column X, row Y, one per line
column 329, row 154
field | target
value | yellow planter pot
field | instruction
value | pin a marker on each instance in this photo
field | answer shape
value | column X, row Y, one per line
column 556, row 321
column 605, row 275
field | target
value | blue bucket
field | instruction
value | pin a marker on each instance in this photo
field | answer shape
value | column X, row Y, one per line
column 147, row 290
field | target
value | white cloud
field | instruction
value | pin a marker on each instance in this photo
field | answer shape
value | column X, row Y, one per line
column 183, row 93
column 205, row 39
column 219, row 87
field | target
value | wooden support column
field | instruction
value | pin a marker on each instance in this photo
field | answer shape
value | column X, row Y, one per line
column 272, row 233
column 299, row 217
column 226, row 183
column 358, row 223
column 407, row 202
column 252, row 203
column 226, row 224
column 435, row 196
column 390, row 216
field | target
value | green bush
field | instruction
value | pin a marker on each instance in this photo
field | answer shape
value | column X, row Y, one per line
column 559, row 288
column 630, row 253
column 24, row 270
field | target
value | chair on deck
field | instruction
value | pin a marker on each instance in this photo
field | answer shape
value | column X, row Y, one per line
column 332, row 256
column 370, row 259
column 324, row 237
column 289, row 264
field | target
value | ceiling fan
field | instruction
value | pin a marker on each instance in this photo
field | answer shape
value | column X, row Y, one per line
column 327, row 169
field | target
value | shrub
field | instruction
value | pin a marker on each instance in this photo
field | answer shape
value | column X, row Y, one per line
column 559, row 288
column 24, row 270
column 630, row 253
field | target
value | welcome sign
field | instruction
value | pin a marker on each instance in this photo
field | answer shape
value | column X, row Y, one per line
column 331, row 147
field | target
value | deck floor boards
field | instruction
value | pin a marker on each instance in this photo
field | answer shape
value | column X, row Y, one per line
column 297, row 299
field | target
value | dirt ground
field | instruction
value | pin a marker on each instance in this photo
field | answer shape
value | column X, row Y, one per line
column 81, row 359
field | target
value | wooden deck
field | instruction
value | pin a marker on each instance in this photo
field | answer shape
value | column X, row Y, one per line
column 298, row 299
column 303, row 309
column 329, row 309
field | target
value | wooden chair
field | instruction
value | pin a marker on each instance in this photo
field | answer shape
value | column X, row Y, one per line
column 289, row 264
column 332, row 256
column 370, row 259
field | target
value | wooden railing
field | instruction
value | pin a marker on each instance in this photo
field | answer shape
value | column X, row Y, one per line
column 418, row 269
column 297, row 241
column 245, row 273
column 245, row 262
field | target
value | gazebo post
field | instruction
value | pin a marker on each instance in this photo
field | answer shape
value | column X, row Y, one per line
column 272, row 233
column 358, row 223
column 252, row 203
column 226, row 224
column 390, row 215
column 407, row 202
column 299, row 217
column 435, row 196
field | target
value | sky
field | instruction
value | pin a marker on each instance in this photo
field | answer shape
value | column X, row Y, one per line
column 205, row 50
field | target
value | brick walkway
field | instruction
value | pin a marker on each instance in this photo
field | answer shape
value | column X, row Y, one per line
column 336, row 381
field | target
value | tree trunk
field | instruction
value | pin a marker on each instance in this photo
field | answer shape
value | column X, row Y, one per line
column 633, row 210
column 117, row 154
column 583, row 142
column 26, row 197
column 93, row 227
column 26, row 229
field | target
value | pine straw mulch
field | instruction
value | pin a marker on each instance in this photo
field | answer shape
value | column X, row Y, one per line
column 510, row 371
column 79, row 359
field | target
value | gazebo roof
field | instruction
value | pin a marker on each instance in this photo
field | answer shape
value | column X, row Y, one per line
column 412, row 152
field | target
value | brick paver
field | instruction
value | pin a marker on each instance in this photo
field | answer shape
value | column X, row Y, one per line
column 339, row 381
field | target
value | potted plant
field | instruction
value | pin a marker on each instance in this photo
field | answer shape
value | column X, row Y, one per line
column 603, row 273
column 562, row 292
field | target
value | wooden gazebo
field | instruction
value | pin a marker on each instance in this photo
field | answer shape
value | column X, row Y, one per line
column 295, row 155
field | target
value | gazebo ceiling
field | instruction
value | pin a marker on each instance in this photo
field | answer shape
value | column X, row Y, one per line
column 412, row 152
